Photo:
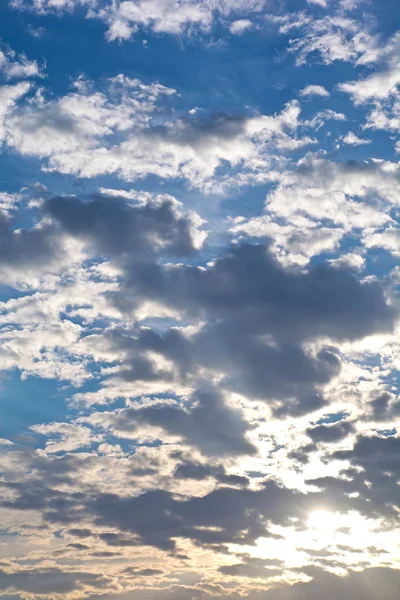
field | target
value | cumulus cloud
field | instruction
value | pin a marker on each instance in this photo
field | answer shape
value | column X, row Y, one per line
column 14, row 67
column 209, row 424
column 128, row 130
column 116, row 228
column 256, row 318
column 9, row 95
column 21, row 248
column 351, row 139
column 349, row 195
column 330, row 433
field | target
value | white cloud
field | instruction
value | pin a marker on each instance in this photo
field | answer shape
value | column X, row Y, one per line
column 389, row 239
column 45, row 6
column 380, row 91
column 80, row 119
column 124, row 130
column 176, row 17
column 351, row 139
column 8, row 98
column 4, row 442
column 333, row 37
column 378, row 86
column 349, row 196
column 322, row 3
column 173, row 16
column 314, row 90
column 13, row 67
column 240, row 26
column 321, row 117
column 8, row 201
column 71, row 436
column 384, row 83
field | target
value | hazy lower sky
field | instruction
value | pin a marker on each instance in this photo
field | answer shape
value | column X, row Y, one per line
column 199, row 299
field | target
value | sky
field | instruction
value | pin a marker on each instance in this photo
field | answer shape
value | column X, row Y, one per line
column 199, row 299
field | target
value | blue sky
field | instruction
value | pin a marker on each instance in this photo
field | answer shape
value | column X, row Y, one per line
column 199, row 310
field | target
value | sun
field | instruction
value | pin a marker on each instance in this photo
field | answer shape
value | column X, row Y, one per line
column 325, row 526
column 324, row 521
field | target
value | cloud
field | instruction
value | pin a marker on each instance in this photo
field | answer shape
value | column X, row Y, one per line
column 322, row 3
column 377, row 455
column 199, row 471
column 157, row 518
column 389, row 239
column 334, row 37
column 330, row 433
column 72, row 436
column 9, row 94
column 13, row 67
column 378, row 86
column 314, row 90
column 385, row 407
column 256, row 319
column 25, row 247
column 80, row 119
column 224, row 417
column 240, row 26
column 349, row 196
column 127, row 129
column 50, row 580
column 249, row 286
column 351, row 139
column 209, row 424
column 253, row 567
column 382, row 84
column 361, row 585
column 115, row 227
column 172, row 17
column 50, row 252
column 45, row 6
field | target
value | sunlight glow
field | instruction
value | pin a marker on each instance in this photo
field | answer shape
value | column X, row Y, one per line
column 324, row 520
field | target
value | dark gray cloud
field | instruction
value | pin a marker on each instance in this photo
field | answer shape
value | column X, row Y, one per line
column 49, row 580
column 258, row 316
column 111, row 225
column 363, row 585
column 373, row 475
column 376, row 454
column 251, row 365
column 253, row 567
column 198, row 471
column 137, row 572
column 330, row 433
column 368, row 584
column 116, row 227
column 157, row 517
column 209, row 423
column 26, row 247
column 199, row 131
column 249, row 287
column 385, row 407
